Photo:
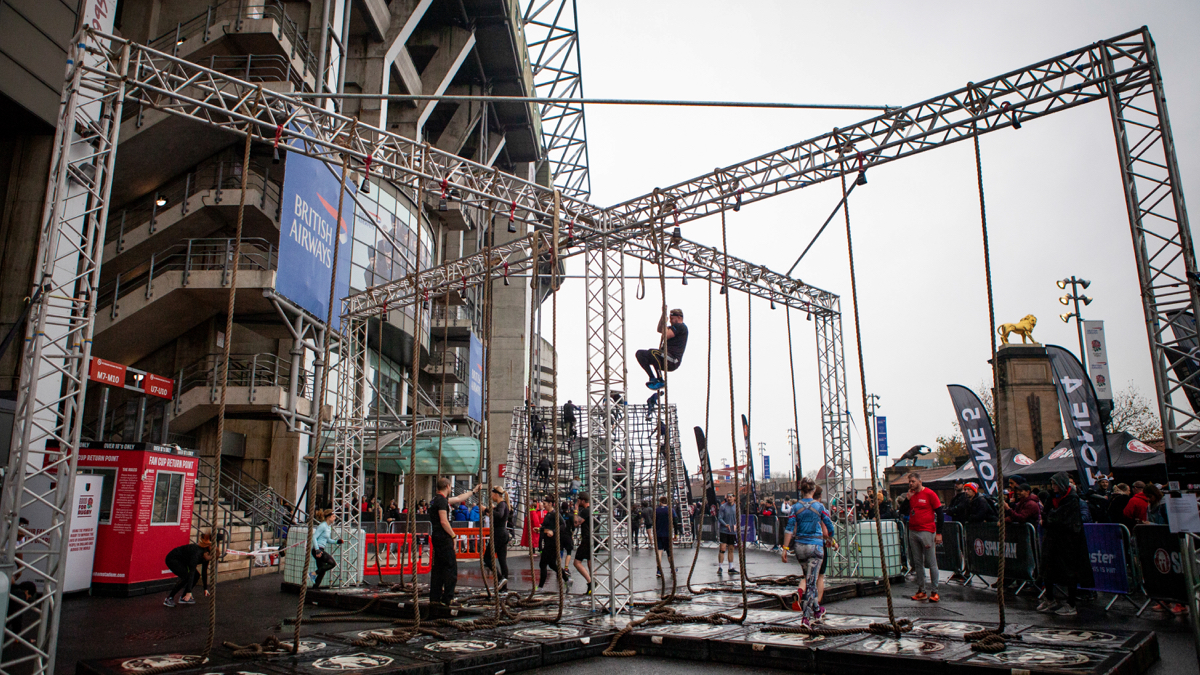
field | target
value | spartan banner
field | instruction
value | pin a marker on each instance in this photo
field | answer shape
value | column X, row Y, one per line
column 977, row 433
column 1081, row 416
column 711, row 503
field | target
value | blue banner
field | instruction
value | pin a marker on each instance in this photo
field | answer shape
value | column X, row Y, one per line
column 1106, row 550
column 475, row 381
column 881, row 435
column 766, row 468
column 306, row 236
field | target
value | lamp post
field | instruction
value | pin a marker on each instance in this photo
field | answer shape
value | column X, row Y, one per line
column 872, row 409
column 1075, row 296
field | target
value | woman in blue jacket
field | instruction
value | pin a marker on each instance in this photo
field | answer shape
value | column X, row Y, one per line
column 804, row 525
column 323, row 539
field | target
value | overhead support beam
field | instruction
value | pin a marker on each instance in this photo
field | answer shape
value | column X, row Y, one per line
column 453, row 44
column 375, row 14
column 460, row 127
column 406, row 15
column 495, row 146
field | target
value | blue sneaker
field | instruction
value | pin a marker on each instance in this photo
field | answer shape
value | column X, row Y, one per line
column 656, row 384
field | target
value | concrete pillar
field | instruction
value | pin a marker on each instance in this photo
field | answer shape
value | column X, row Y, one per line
column 24, row 167
column 1026, row 402
column 510, row 323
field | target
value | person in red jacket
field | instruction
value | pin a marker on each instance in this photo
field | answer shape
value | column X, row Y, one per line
column 1138, row 508
column 1027, row 508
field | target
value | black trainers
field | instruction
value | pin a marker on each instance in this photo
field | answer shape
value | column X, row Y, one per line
column 169, row 602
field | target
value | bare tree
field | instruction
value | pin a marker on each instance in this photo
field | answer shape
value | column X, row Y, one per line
column 1134, row 413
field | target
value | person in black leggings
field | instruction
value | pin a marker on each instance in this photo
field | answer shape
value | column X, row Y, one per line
column 182, row 561
column 498, row 543
column 549, row 560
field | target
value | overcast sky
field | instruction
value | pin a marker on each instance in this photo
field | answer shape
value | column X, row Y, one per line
column 1054, row 200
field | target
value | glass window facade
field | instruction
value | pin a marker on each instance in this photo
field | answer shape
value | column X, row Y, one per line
column 388, row 241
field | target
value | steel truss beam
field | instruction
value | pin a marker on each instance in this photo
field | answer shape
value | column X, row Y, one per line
column 58, row 347
column 838, row 468
column 106, row 71
column 349, row 372
column 552, row 36
column 608, row 437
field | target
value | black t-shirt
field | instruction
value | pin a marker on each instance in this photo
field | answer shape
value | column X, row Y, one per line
column 585, row 528
column 676, row 345
column 439, row 503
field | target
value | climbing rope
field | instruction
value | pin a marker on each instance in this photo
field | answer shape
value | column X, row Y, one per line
column 485, row 449
column 318, row 395
column 664, row 427
column 442, row 408
column 707, row 403
column 737, row 502
column 378, row 512
column 214, row 488
column 534, row 369
column 896, row 627
column 987, row 268
column 862, row 378
column 558, row 506
column 795, row 405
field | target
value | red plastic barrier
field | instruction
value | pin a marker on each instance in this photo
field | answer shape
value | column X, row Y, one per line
column 395, row 557
column 469, row 542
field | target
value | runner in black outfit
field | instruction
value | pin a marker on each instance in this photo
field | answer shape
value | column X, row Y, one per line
column 569, row 418
column 653, row 361
column 443, row 576
column 501, row 511
column 550, row 548
column 583, row 520
column 182, row 561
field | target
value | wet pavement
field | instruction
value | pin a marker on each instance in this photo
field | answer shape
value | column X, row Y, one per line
column 251, row 610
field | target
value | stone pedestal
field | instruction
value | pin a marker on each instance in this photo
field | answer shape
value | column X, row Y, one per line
column 1026, row 403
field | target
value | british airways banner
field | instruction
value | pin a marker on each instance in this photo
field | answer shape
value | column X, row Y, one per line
column 976, row 427
column 1080, row 415
column 307, row 227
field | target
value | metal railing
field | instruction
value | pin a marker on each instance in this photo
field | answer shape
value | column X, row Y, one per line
column 449, row 398
column 453, row 312
column 216, row 175
column 245, row 370
column 188, row 255
column 459, row 364
column 236, row 13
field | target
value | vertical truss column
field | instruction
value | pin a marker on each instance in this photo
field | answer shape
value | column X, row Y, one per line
column 680, row 486
column 607, row 450
column 552, row 34
column 58, row 347
column 349, row 374
column 1162, row 238
column 838, row 467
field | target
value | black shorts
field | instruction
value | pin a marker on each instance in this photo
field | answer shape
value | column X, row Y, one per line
column 730, row 539
column 568, row 547
column 585, row 551
column 825, row 560
column 663, row 543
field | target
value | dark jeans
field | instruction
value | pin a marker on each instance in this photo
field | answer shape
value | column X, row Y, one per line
column 325, row 562
column 187, row 578
column 443, row 577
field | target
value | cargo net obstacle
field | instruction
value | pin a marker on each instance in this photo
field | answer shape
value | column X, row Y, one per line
column 635, row 428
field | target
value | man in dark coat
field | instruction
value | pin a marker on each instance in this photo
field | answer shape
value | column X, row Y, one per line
column 978, row 509
column 1064, row 548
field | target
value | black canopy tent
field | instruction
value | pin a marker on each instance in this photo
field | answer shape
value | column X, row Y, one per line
column 1014, row 463
column 1131, row 459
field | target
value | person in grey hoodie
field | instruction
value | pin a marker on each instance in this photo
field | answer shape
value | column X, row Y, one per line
column 727, row 532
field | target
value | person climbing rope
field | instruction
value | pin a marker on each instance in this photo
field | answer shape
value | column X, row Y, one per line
column 569, row 409
column 182, row 561
column 322, row 538
column 653, row 361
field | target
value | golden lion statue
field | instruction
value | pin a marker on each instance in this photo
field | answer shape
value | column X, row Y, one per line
column 1024, row 328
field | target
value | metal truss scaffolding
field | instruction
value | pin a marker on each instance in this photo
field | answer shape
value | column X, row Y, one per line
column 608, row 445
column 106, row 72
column 837, row 471
column 350, row 377
column 552, row 35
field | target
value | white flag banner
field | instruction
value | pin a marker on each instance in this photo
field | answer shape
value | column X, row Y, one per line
column 1097, row 358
